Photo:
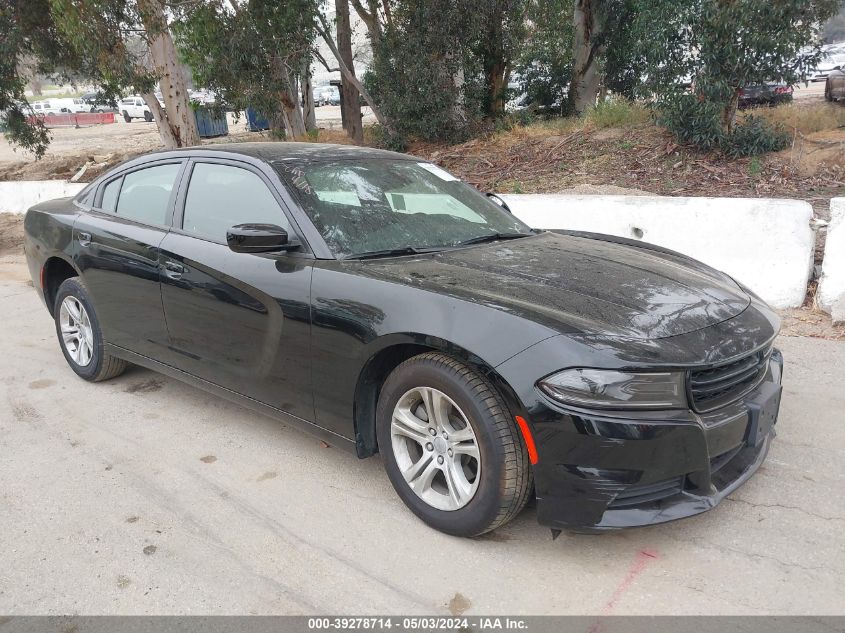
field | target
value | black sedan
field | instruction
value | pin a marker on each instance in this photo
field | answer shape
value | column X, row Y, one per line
column 378, row 302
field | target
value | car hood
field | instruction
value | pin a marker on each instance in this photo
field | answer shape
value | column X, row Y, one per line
column 576, row 284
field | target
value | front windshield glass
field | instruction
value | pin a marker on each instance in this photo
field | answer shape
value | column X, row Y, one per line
column 372, row 205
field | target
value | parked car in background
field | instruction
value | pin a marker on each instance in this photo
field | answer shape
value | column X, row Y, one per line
column 43, row 108
column 135, row 108
column 326, row 95
column 830, row 62
column 202, row 96
column 380, row 303
column 70, row 105
column 96, row 103
column 834, row 89
column 773, row 93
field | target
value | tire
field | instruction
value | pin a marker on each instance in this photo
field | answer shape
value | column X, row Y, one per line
column 126, row 117
column 98, row 365
column 148, row 116
column 500, row 480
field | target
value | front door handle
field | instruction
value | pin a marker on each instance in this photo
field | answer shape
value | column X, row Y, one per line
column 84, row 238
column 173, row 270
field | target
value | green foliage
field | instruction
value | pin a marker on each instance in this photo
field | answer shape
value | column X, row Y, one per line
column 419, row 72
column 617, row 112
column 545, row 62
column 700, row 54
column 383, row 138
column 249, row 56
column 692, row 120
column 67, row 40
column 754, row 136
column 496, row 31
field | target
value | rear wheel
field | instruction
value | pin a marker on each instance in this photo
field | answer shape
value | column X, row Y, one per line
column 126, row 117
column 450, row 446
column 80, row 336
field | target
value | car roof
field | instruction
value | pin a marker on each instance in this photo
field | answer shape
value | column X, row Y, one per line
column 284, row 151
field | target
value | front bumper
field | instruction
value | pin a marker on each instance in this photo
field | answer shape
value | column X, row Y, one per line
column 601, row 470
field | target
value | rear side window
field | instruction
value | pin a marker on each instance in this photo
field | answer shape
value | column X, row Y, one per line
column 221, row 196
column 110, row 193
column 145, row 194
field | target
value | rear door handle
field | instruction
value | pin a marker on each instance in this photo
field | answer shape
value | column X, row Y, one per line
column 84, row 238
column 173, row 270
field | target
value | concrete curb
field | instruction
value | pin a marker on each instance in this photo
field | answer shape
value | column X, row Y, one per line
column 767, row 244
column 17, row 196
column 831, row 295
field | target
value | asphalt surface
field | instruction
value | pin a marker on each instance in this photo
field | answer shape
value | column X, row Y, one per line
column 145, row 496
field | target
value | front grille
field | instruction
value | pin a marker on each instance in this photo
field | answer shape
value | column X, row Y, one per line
column 715, row 387
column 644, row 493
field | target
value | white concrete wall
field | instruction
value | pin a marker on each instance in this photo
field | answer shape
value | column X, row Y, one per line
column 831, row 295
column 764, row 243
column 18, row 195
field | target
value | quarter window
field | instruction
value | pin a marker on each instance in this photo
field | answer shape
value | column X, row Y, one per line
column 110, row 192
column 221, row 196
column 145, row 194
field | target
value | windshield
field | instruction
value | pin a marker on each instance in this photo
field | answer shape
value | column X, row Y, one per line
column 382, row 204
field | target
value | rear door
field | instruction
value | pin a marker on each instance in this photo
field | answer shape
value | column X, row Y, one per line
column 117, row 249
column 238, row 320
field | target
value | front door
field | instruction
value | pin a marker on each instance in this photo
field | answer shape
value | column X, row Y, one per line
column 238, row 320
column 116, row 247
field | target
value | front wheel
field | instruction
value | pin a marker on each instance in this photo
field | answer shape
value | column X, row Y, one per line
column 80, row 336
column 450, row 447
column 148, row 116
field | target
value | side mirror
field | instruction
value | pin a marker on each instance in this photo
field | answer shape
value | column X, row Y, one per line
column 499, row 202
column 259, row 238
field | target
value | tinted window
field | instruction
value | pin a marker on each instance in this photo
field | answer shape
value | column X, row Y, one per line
column 110, row 191
column 221, row 196
column 146, row 192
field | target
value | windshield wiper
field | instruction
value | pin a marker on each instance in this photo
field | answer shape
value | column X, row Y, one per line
column 393, row 252
column 492, row 237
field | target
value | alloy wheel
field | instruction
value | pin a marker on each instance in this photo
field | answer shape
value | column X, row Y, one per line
column 77, row 335
column 435, row 448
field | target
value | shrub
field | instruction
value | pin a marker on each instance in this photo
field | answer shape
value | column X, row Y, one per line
column 617, row 112
column 754, row 136
column 693, row 121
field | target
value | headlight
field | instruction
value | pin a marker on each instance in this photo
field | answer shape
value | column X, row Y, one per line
column 608, row 389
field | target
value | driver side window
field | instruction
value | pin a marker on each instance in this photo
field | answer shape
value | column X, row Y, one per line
column 221, row 196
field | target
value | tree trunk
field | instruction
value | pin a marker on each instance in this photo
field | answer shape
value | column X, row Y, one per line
column 325, row 33
column 587, row 49
column 288, row 95
column 351, row 100
column 176, row 123
column 729, row 113
column 496, row 93
column 309, row 113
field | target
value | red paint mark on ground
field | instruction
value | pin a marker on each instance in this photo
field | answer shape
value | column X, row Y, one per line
column 641, row 561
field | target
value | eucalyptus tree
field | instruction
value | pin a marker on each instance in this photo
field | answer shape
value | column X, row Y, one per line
column 251, row 53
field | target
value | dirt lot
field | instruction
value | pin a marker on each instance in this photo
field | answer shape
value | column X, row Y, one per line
column 142, row 495
column 108, row 145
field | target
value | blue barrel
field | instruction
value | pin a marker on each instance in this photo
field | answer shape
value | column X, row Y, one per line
column 210, row 125
column 257, row 122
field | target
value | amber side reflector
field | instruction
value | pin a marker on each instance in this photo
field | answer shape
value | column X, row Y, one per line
column 529, row 439
column 43, row 272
